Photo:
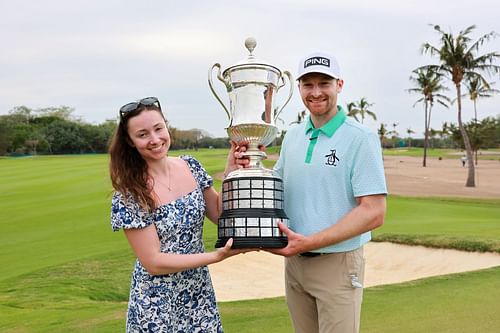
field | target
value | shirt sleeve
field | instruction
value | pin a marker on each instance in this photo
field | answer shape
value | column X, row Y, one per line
column 368, row 177
column 203, row 179
column 127, row 214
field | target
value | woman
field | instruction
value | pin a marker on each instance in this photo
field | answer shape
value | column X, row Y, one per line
column 160, row 202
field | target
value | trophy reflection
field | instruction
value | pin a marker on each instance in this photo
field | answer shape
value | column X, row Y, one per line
column 252, row 198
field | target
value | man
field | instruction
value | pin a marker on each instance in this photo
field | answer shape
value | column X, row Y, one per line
column 335, row 194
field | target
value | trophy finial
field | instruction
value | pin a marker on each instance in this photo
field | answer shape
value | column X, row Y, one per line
column 250, row 44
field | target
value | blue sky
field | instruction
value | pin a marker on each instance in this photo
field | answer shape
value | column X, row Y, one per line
column 95, row 56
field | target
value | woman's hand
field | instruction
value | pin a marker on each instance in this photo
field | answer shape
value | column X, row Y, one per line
column 226, row 251
column 235, row 158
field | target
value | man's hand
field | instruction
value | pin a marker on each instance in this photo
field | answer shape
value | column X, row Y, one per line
column 297, row 243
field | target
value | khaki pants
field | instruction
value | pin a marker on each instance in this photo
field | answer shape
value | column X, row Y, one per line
column 324, row 293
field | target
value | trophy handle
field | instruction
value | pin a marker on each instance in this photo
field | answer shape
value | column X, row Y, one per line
column 217, row 65
column 287, row 73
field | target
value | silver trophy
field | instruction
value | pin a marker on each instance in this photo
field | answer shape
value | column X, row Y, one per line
column 252, row 198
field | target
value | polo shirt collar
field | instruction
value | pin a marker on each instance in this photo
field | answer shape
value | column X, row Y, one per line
column 331, row 126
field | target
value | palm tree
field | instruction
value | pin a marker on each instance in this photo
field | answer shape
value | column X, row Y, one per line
column 352, row 111
column 382, row 132
column 360, row 108
column 428, row 84
column 409, row 131
column 432, row 134
column 394, row 131
column 458, row 60
column 477, row 88
column 394, row 135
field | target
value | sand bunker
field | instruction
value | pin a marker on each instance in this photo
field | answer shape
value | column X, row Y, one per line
column 260, row 274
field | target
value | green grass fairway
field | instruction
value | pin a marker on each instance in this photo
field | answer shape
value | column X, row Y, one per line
column 459, row 303
column 64, row 270
column 463, row 224
column 54, row 210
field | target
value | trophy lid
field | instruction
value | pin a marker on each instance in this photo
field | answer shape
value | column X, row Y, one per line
column 251, row 61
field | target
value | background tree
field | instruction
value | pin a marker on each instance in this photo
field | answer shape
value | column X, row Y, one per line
column 361, row 109
column 409, row 131
column 51, row 131
column 5, row 135
column 382, row 132
column 428, row 84
column 55, row 130
column 23, row 113
column 433, row 133
column 61, row 112
column 476, row 89
column 458, row 60
column 393, row 135
column 352, row 111
column 487, row 129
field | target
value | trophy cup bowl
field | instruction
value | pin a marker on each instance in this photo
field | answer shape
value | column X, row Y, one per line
column 252, row 198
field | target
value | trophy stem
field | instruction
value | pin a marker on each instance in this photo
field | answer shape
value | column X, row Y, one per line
column 255, row 156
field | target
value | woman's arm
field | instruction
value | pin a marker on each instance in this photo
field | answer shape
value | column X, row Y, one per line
column 146, row 246
column 213, row 203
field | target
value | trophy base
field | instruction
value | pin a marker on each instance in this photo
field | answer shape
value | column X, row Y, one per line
column 252, row 208
column 254, row 242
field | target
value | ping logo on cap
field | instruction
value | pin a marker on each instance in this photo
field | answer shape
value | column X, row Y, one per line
column 317, row 61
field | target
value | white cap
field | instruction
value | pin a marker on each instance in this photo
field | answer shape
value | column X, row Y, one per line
column 319, row 62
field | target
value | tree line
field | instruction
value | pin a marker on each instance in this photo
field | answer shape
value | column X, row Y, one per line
column 483, row 134
column 55, row 130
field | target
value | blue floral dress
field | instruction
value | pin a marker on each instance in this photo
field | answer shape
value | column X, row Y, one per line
column 177, row 302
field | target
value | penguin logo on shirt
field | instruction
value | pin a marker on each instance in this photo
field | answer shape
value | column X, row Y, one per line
column 332, row 159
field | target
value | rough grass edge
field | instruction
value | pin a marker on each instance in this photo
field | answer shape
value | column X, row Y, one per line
column 441, row 242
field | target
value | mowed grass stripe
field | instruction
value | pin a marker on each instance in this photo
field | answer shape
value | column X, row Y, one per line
column 454, row 217
column 61, row 214
column 462, row 224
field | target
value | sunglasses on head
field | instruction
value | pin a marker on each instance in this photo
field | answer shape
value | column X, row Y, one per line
column 130, row 107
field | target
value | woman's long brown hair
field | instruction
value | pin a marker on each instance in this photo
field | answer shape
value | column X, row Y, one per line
column 127, row 169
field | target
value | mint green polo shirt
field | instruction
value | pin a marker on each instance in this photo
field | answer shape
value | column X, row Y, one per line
column 324, row 170
column 328, row 129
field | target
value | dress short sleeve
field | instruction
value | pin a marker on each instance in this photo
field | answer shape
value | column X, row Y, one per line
column 203, row 179
column 127, row 214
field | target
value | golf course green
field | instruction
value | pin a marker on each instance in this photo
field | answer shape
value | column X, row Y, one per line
column 64, row 270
